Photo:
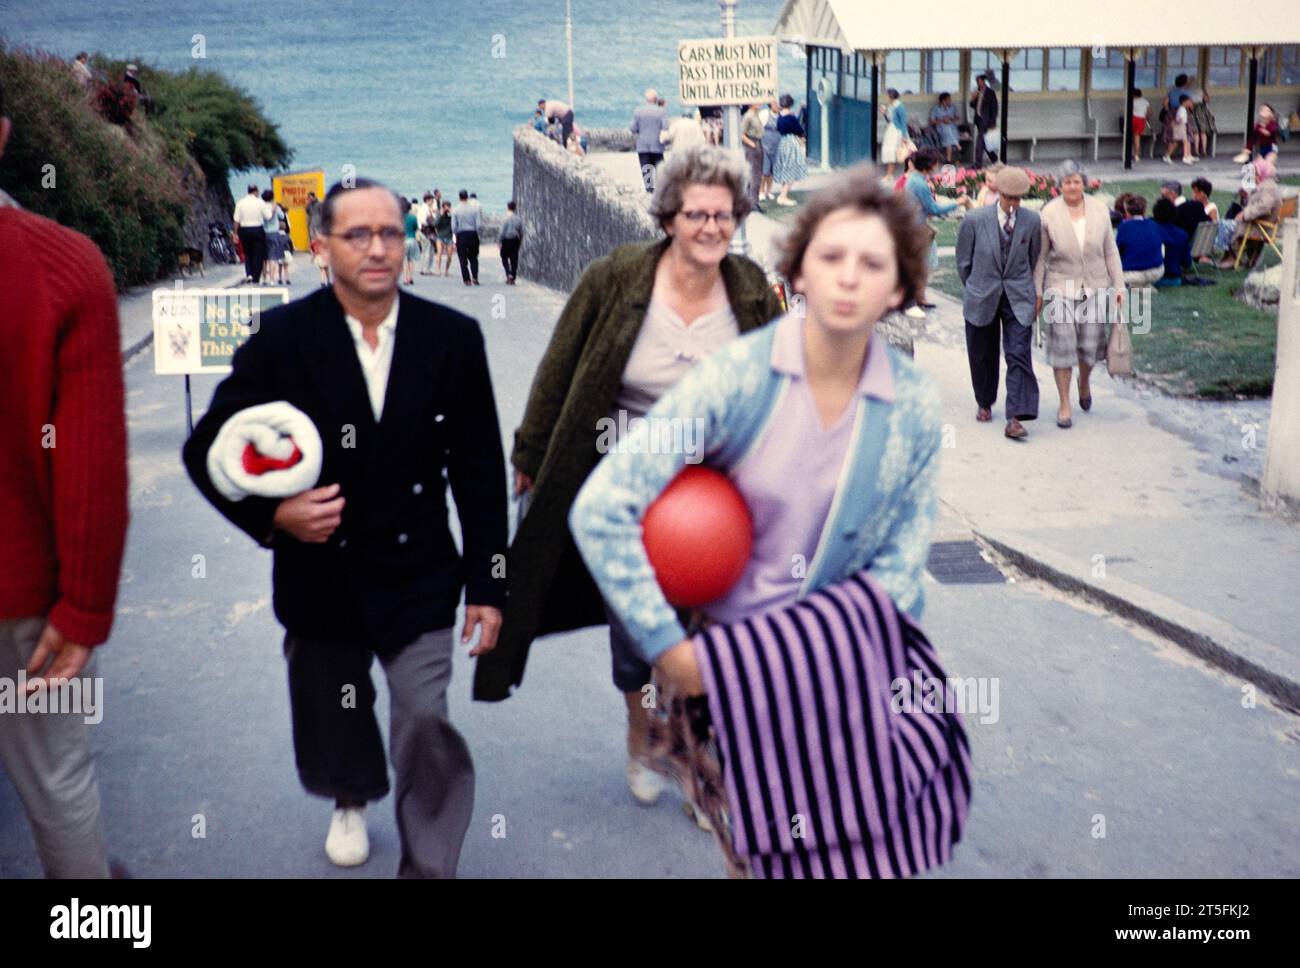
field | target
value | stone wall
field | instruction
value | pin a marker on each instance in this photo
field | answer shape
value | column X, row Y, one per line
column 208, row 203
column 572, row 212
column 610, row 139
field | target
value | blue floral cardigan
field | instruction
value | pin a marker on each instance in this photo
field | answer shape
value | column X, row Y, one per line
column 880, row 517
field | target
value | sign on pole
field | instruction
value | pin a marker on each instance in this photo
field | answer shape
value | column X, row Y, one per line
column 726, row 70
column 198, row 330
column 291, row 192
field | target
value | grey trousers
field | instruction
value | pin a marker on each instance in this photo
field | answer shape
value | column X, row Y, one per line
column 340, row 754
column 47, row 756
column 1017, row 346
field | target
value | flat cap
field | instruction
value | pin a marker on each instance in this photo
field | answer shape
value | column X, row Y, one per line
column 1013, row 181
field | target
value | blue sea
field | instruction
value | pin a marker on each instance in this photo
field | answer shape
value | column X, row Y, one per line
column 417, row 94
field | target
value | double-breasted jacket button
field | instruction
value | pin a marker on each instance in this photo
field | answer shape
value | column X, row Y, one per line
column 417, row 489
column 343, row 542
column 401, row 538
column 437, row 417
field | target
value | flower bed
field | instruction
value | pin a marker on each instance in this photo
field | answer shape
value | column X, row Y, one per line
column 948, row 180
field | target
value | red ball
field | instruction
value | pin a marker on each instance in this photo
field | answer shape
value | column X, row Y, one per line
column 698, row 534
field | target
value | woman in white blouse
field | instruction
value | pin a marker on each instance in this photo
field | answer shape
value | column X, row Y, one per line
column 1080, row 281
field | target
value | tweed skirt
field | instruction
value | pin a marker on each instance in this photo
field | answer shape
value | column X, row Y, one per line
column 1076, row 329
column 791, row 165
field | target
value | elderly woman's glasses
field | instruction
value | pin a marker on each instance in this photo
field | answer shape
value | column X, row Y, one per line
column 359, row 238
column 698, row 218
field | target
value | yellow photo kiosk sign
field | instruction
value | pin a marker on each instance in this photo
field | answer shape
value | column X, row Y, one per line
column 291, row 192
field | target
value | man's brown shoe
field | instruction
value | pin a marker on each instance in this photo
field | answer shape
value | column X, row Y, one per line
column 983, row 414
column 1016, row 430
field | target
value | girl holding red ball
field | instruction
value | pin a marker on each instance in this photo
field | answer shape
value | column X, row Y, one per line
column 831, row 437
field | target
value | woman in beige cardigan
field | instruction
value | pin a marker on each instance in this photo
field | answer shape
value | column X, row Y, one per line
column 1079, row 277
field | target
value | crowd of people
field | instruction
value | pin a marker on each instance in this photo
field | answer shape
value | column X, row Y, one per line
column 262, row 233
column 433, row 231
column 773, row 139
column 1156, row 238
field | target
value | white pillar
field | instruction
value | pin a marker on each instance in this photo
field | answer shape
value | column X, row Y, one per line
column 1281, row 484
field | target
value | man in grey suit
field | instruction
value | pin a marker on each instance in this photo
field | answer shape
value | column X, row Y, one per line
column 997, row 248
column 648, row 122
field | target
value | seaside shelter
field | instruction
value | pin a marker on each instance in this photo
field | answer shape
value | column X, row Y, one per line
column 1063, row 73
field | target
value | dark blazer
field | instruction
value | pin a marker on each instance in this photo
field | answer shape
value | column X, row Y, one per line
column 391, row 570
column 986, row 110
column 986, row 275
column 550, row 589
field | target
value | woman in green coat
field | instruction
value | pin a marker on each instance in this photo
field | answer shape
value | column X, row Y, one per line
column 638, row 319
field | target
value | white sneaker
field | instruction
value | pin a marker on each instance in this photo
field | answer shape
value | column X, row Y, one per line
column 645, row 783
column 915, row 312
column 1191, row 161
column 1167, row 160
column 347, row 844
column 786, row 201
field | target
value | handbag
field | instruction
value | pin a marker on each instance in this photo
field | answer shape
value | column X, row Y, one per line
column 1119, row 350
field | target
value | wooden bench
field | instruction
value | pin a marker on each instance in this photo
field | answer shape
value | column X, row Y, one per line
column 1066, row 124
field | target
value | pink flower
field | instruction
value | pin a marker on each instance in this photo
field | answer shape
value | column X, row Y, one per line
column 1055, row 193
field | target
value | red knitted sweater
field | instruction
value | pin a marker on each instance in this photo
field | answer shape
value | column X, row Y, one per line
column 62, row 429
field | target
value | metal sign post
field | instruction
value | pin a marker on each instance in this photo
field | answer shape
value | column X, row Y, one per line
column 198, row 330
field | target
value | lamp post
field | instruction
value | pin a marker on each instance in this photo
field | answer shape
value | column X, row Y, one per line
column 568, row 43
column 731, row 114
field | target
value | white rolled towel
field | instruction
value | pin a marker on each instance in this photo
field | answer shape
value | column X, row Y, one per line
column 254, row 453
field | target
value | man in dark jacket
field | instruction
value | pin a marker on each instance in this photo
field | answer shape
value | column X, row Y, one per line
column 997, row 248
column 399, row 391
column 984, row 103
column 649, row 121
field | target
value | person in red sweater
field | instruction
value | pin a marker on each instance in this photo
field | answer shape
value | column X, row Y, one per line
column 63, row 515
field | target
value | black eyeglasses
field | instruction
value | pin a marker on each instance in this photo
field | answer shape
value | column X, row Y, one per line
column 696, row 217
column 360, row 238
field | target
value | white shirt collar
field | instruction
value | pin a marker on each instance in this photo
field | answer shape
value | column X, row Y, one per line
column 386, row 327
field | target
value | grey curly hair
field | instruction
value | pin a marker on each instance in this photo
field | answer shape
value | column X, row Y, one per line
column 700, row 165
column 1070, row 167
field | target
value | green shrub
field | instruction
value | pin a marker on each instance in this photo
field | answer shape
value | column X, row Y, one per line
column 217, row 123
column 128, row 188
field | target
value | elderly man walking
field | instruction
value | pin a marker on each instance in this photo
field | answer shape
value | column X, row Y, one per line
column 997, row 247
column 649, row 121
column 63, row 514
column 369, row 401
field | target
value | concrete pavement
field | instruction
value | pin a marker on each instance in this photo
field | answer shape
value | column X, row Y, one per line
column 1133, row 507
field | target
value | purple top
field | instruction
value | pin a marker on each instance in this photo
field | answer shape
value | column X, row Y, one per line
column 789, row 478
